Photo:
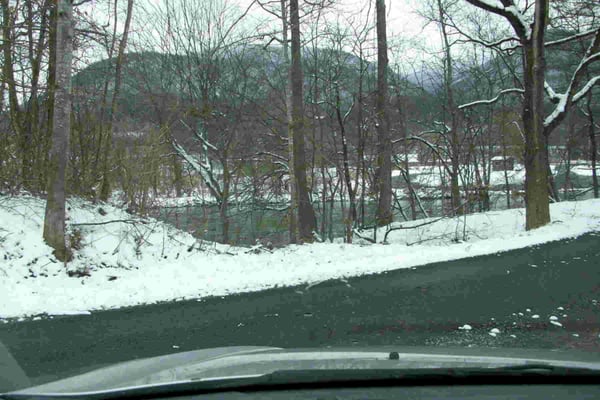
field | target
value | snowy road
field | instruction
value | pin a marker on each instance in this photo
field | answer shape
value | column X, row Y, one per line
column 547, row 296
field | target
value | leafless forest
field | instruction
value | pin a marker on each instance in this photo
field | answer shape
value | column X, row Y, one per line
column 313, row 115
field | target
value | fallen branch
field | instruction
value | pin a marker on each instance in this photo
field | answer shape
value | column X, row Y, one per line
column 427, row 240
column 400, row 227
column 363, row 237
column 390, row 229
column 125, row 221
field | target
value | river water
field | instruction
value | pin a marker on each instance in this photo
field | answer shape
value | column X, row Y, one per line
column 268, row 223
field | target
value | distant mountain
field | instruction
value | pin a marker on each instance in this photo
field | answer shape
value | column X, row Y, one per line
column 148, row 74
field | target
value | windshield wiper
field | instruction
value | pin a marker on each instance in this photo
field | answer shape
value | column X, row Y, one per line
column 535, row 373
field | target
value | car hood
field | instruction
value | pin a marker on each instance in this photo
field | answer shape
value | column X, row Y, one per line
column 246, row 361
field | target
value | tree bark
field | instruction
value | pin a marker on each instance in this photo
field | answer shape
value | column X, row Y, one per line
column 384, row 145
column 306, row 219
column 54, row 221
column 536, row 172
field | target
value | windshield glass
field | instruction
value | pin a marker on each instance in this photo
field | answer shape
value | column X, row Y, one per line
column 185, row 175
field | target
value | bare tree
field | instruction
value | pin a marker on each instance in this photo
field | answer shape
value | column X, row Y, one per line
column 293, row 211
column 360, row 33
column 592, row 138
column 283, row 16
column 24, row 45
column 530, row 39
column 384, row 144
column 452, row 109
column 105, row 188
column 8, row 74
column 306, row 219
column 54, row 221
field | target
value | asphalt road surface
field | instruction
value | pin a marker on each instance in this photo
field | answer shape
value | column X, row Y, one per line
column 542, row 297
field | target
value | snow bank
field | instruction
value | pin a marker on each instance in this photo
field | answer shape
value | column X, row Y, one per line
column 584, row 170
column 125, row 260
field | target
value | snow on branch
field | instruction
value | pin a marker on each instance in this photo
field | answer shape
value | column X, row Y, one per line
column 588, row 86
column 201, row 137
column 588, row 60
column 203, row 168
column 510, row 12
column 492, row 100
column 572, row 95
column 554, row 97
column 443, row 125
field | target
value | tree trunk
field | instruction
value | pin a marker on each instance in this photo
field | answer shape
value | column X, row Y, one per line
column 384, row 145
column 406, row 168
column 454, row 117
column 324, row 186
column 361, row 165
column 177, row 175
column 306, row 214
column 51, row 84
column 8, row 77
column 411, row 192
column 351, row 217
column 567, row 184
column 223, row 207
column 293, row 210
column 593, row 146
column 54, row 221
column 32, row 116
column 506, row 181
column 105, row 188
column 552, row 189
column 536, row 172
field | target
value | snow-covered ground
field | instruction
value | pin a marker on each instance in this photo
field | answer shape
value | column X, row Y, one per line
column 584, row 170
column 429, row 176
column 125, row 260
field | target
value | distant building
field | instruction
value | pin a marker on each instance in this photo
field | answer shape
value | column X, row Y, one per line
column 501, row 163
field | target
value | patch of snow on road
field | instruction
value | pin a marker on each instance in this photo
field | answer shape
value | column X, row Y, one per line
column 71, row 312
column 125, row 260
column 494, row 332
